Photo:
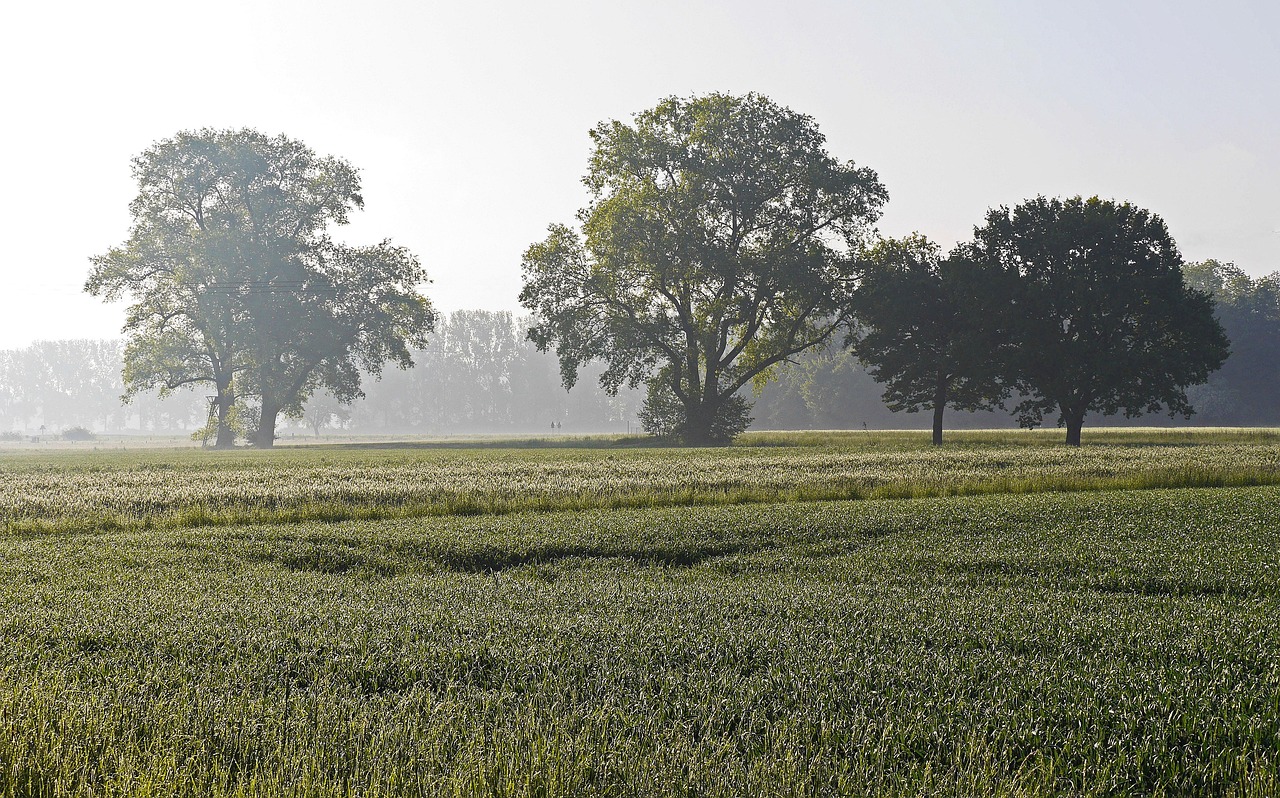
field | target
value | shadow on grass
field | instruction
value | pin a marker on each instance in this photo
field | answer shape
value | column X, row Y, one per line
column 332, row 557
column 1077, row 575
column 583, row 442
column 1180, row 588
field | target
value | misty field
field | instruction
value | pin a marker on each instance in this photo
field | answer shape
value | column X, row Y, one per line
column 646, row 622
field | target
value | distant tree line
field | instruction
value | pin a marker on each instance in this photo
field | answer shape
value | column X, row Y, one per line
column 480, row 373
column 59, row 385
column 1246, row 390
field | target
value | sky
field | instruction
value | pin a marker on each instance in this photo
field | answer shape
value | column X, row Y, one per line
column 468, row 121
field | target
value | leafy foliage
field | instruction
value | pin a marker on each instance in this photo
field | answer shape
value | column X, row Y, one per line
column 232, row 273
column 78, row 434
column 664, row 415
column 922, row 323
column 324, row 410
column 1099, row 314
column 717, row 245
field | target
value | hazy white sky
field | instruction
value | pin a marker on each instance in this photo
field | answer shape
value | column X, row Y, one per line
column 469, row 120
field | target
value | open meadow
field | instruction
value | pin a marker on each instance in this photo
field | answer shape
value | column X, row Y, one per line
column 804, row 614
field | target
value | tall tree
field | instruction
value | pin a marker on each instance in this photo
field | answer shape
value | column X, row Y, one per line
column 1099, row 314
column 921, row 325
column 717, row 245
column 231, row 272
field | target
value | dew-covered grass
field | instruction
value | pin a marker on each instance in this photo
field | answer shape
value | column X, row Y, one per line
column 1102, row 643
column 1043, row 436
column 588, row 617
column 141, row 489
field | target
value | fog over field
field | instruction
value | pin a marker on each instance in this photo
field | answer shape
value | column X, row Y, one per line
column 469, row 121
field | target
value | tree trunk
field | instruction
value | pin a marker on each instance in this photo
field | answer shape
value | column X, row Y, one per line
column 265, row 437
column 697, row 430
column 1074, row 422
column 698, row 420
column 697, row 438
column 225, row 401
column 939, row 405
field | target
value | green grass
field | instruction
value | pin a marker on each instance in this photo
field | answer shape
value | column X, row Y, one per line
column 917, row 439
column 66, row 492
column 895, row 440
column 1006, row 616
column 1108, row 643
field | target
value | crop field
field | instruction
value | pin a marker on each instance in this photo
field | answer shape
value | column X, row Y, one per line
column 139, row 489
column 1001, row 617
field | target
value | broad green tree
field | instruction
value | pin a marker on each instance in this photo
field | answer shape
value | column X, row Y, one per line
column 719, row 242
column 234, row 281
column 1099, row 316
column 923, row 327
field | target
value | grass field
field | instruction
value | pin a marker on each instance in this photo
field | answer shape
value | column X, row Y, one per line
column 645, row 622
column 138, row 489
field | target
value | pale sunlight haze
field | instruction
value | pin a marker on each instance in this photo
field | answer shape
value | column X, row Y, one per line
column 469, row 121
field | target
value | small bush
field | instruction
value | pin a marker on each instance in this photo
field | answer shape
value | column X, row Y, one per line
column 78, row 434
column 665, row 416
column 10, row 436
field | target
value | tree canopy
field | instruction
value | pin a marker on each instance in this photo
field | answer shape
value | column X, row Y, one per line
column 923, row 325
column 231, row 272
column 1098, row 313
column 718, row 243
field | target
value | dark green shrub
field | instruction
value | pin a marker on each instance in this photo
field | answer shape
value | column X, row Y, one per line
column 78, row 434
